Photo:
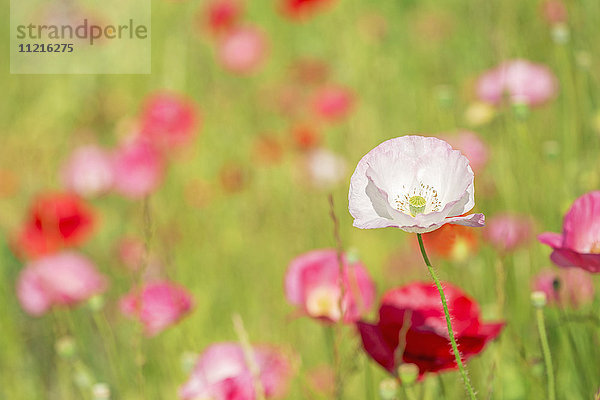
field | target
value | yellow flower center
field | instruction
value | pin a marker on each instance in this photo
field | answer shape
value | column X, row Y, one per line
column 417, row 205
column 323, row 302
column 595, row 248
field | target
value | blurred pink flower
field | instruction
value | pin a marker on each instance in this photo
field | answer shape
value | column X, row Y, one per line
column 139, row 169
column 222, row 15
column 243, row 50
column 169, row 120
column 222, row 373
column 506, row 232
column 61, row 279
column 554, row 11
column 131, row 252
column 522, row 81
column 333, row 103
column 312, row 284
column 414, row 183
column 579, row 243
column 88, row 171
column 570, row 287
column 472, row 146
column 157, row 305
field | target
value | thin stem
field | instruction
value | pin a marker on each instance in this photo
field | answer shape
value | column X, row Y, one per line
column 369, row 394
column 539, row 313
column 461, row 367
column 337, row 359
column 242, row 334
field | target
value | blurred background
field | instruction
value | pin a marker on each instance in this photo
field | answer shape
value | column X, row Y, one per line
column 286, row 99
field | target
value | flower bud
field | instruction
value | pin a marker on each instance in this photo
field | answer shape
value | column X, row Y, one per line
column 560, row 33
column 65, row 347
column 388, row 388
column 538, row 299
column 100, row 391
column 82, row 377
column 408, row 373
column 96, row 303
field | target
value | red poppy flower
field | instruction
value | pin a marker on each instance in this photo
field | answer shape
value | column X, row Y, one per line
column 55, row 221
column 426, row 343
column 222, row 15
column 300, row 9
column 452, row 241
column 306, row 137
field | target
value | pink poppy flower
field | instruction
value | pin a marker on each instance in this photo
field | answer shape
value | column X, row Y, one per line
column 426, row 342
column 579, row 243
column 506, row 232
column 131, row 252
column 302, row 9
column 222, row 15
column 568, row 287
column 139, row 169
column 312, row 284
column 88, row 172
column 157, row 305
column 333, row 103
column 243, row 50
column 472, row 146
column 222, row 373
column 414, row 183
column 61, row 279
column 522, row 81
column 169, row 120
column 554, row 11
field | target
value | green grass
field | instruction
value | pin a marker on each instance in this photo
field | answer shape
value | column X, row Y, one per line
column 233, row 253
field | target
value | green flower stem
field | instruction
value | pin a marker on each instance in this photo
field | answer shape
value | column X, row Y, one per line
column 539, row 313
column 461, row 367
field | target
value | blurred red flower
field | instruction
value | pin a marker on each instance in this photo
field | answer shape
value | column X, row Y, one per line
column 267, row 150
column 302, row 9
column 306, row 137
column 157, row 305
column 54, row 221
column 169, row 120
column 426, row 342
column 221, row 15
column 554, row 11
column 310, row 71
column 456, row 242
